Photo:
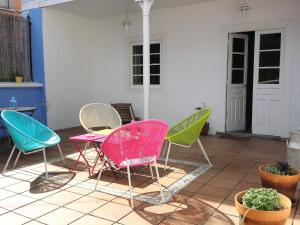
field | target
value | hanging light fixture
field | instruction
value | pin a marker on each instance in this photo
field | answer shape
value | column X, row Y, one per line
column 126, row 23
column 244, row 8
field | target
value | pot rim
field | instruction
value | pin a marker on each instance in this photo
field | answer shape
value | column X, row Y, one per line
column 260, row 168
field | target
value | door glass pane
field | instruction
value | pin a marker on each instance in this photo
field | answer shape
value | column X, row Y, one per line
column 155, row 48
column 155, row 80
column 269, row 58
column 137, row 60
column 4, row 4
column 137, row 49
column 137, row 70
column 237, row 77
column 155, row 69
column 270, row 41
column 268, row 76
column 238, row 45
column 155, row 59
column 237, row 61
column 137, row 80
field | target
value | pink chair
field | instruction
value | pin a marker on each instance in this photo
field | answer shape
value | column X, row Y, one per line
column 135, row 144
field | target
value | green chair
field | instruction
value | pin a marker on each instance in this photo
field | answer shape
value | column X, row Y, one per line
column 187, row 132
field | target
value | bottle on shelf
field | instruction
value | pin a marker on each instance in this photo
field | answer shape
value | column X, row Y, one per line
column 13, row 102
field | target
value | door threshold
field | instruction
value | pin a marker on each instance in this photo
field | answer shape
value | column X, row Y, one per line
column 243, row 135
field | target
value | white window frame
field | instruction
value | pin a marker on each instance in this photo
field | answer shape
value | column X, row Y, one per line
column 131, row 64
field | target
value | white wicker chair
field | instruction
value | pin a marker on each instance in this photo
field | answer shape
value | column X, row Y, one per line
column 99, row 115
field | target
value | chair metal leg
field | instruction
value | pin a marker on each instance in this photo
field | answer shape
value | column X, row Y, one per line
column 45, row 161
column 16, row 161
column 157, row 176
column 168, row 152
column 9, row 158
column 61, row 154
column 165, row 147
column 203, row 151
column 129, row 182
column 99, row 174
column 151, row 171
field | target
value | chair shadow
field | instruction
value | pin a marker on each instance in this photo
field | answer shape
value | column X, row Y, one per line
column 193, row 211
column 55, row 181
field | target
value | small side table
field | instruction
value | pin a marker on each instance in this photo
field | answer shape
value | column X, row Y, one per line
column 87, row 139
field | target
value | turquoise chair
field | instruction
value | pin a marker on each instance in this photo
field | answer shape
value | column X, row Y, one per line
column 187, row 132
column 29, row 136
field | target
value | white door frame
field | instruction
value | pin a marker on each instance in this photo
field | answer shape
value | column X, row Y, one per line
column 287, row 26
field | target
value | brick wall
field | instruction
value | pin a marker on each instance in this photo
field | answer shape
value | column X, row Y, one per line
column 15, row 10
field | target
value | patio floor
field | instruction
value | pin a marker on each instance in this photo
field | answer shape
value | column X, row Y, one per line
column 208, row 200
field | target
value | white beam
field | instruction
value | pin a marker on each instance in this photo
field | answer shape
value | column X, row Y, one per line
column 146, row 8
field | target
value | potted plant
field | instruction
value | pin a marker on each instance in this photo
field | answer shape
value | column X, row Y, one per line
column 262, row 206
column 280, row 177
column 19, row 78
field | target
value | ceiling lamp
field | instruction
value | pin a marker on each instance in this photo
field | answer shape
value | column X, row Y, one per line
column 244, row 8
column 127, row 23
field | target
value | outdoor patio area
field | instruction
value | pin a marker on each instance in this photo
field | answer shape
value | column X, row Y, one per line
column 69, row 197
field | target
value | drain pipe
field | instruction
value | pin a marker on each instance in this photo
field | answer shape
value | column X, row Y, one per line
column 146, row 8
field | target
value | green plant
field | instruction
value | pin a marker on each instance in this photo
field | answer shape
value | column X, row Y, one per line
column 266, row 199
column 281, row 168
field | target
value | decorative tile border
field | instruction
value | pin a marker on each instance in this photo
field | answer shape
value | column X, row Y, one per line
column 168, row 192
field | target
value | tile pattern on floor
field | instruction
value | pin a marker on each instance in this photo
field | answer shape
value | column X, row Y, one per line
column 208, row 200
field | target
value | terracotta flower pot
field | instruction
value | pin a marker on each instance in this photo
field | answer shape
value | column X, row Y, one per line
column 285, row 185
column 260, row 217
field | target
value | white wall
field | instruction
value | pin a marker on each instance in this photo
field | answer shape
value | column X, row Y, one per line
column 68, row 75
column 192, row 62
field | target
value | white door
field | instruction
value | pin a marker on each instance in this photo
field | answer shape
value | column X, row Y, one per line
column 267, row 81
column 237, row 82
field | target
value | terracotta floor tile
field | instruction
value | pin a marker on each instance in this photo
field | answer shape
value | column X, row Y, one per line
column 7, row 181
column 5, row 194
column 33, row 223
column 164, row 209
column 212, row 201
column 19, row 187
column 86, row 204
column 61, row 216
column 101, row 195
column 228, row 207
column 246, row 185
column 141, row 218
column 36, row 209
column 92, row 220
column 15, row 202
column 112, row 211
column 40, row 192
column 126, row 202
column 214, row 191
column 13, row 219
column 62, row 198
column 2, row 211
column 193, row 211
column 222, row 219
column 193, row 187
column 223, row 183
column 171, row 221
column 79, row 190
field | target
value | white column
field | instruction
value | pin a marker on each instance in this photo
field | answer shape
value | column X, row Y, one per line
column 146, row 7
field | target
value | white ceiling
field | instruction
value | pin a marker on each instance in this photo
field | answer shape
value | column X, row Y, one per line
column 106, row 8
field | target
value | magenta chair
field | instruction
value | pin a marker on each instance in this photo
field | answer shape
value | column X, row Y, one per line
column 135, row 144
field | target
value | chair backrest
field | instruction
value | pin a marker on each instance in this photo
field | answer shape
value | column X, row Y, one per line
column 27, row 132
column 99, row 115
column 125, row 111
column 137, row 140
column 188, row 130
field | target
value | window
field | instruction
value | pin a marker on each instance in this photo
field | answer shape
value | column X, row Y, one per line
column 269, row 58
column 4, row 4
column 137, row 64
column 14, row 48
